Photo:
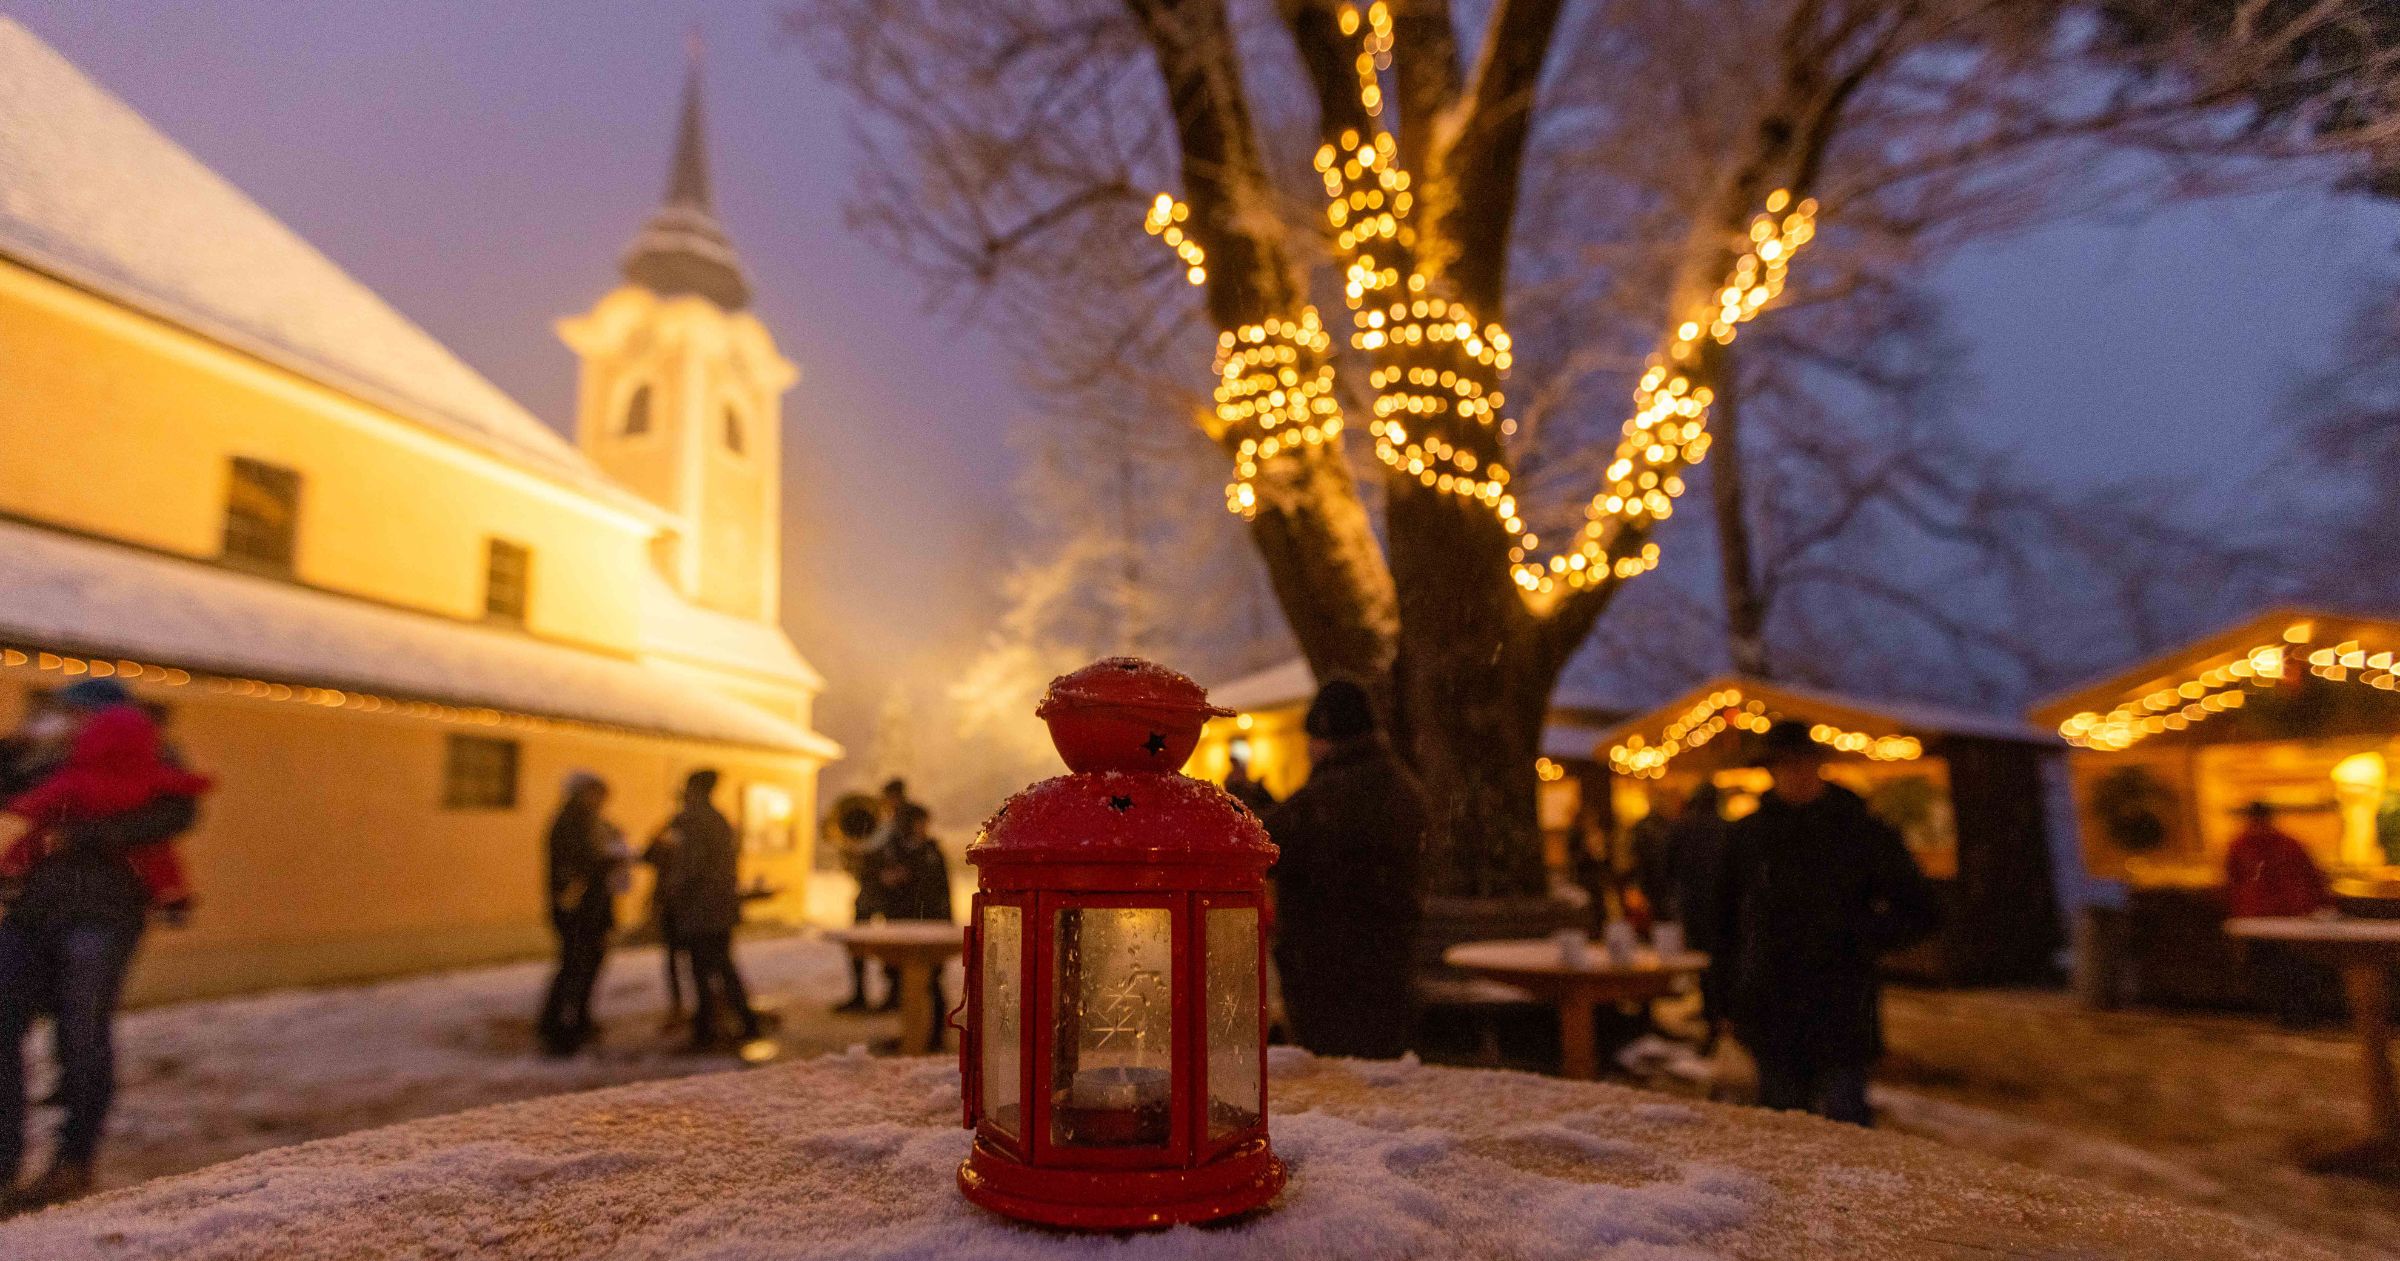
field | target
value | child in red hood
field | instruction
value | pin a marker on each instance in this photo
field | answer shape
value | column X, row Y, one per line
column 114, row 765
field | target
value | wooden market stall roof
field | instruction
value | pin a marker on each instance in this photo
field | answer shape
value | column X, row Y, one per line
column 1879, row 730
column 2175, row 689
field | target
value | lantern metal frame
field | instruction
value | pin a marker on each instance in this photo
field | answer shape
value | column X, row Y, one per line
column 1209, row 855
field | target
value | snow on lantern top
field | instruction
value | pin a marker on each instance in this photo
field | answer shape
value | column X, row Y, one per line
column 1125, row 727
column 1133, row 818
column 1126, row 714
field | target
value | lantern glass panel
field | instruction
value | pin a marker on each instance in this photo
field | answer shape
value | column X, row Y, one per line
column 1112, row 1074
column 1234, row 1082
column 1003, row 988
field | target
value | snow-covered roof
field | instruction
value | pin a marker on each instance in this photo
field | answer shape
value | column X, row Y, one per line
column 1784, row 700
column 1570, row 741
column 1291, row 685
column 1278, row 686
column 672, row 626
column 93, row 194
column 2280, row 625
column 67, row 593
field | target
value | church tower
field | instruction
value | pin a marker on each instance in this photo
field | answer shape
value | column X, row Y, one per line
column 681, row 396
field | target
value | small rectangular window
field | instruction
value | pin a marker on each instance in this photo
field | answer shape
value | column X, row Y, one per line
column 479, row 773
column 262, row 516
column 507, row 581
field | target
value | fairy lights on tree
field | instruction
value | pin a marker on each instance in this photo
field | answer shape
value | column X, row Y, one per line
column 1436, row 369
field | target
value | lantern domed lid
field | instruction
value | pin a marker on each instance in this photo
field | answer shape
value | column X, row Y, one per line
column 1129, row 683
column 1136, row 817
column 1125, row 714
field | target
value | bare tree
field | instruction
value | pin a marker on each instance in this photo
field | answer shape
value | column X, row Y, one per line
column 1624, row 182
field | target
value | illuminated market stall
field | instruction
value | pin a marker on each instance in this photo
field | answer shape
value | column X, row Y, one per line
column 1264, row 734
column 2295, row 709
column 1963, row 789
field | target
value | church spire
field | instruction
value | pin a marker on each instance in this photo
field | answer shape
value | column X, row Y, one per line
column 687, row 179
column 683, row 249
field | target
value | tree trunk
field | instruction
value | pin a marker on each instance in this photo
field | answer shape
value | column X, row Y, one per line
column 1745, row 607
column 1470, row 691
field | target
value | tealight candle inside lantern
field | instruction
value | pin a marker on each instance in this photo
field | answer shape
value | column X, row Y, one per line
column 1113, row 1079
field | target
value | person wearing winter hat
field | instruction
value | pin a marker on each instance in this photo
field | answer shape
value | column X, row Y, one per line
column 1812, row 891
column 1347, row 896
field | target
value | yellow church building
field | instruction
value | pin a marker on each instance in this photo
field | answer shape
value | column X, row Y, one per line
column 384, row 605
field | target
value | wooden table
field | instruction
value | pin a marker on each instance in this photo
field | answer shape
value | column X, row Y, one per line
column 2363, row 950
column 1536, row 965
column 915, row 948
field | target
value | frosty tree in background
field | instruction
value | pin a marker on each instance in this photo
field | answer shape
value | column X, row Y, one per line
column 1596, row 196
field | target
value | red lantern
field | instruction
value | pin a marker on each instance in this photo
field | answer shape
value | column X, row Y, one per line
column 1114, row 1054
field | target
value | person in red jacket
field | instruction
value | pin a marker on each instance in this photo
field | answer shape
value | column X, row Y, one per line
column 114, row 765
column 2268, row 873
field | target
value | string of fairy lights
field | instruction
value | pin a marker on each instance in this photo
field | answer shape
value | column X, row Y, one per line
column 1274, row 392
column 2227, row 685
column 1436, row 367
column 1728, row 709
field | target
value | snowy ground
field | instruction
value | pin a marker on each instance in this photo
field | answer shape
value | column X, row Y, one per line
column 852, row 1158
column 204, row 1082
column 2208, row 1111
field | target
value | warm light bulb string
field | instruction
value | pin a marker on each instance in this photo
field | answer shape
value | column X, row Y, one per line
column 1439, row 413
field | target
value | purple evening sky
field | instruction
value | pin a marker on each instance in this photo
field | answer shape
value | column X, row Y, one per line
column 483, row 164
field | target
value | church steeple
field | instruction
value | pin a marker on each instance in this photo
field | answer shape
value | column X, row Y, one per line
column 681, row 399
column 683, row 249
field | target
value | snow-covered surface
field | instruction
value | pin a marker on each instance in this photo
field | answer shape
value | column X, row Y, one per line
column 70, row 592
column 91, row 192
column 1277, row 686
column 2328, row 930
column 1810, row 704
column 2214, row 1110
column 674, row 627
column 853, row 1157
column 1571, row 741
column 208, row 1081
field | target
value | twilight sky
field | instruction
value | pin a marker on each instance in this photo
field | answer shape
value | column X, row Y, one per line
column 482, row 165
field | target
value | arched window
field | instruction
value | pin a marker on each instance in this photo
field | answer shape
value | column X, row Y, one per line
column 637, row 413
column 733, row 431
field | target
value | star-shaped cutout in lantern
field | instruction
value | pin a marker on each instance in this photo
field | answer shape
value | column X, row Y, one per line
column 1120, row 804
column 1157, row 744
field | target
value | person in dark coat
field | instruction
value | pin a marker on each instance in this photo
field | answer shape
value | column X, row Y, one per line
column 912, row 880
column 1652, row 842
column 862, row 854
column 1347, row 887
column 1695, row 867
column 1814, row 891
column 587, row 863
column 66, row 939
column 659, row 856
column 1246, row 790
column 704, row 898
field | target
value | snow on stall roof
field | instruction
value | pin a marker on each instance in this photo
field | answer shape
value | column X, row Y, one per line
column 1918, row 716
column 92, row 193
column 78, row 594
column 1570, row 741
column 851, row 1156
column 672, row 626
column 1288, row 683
